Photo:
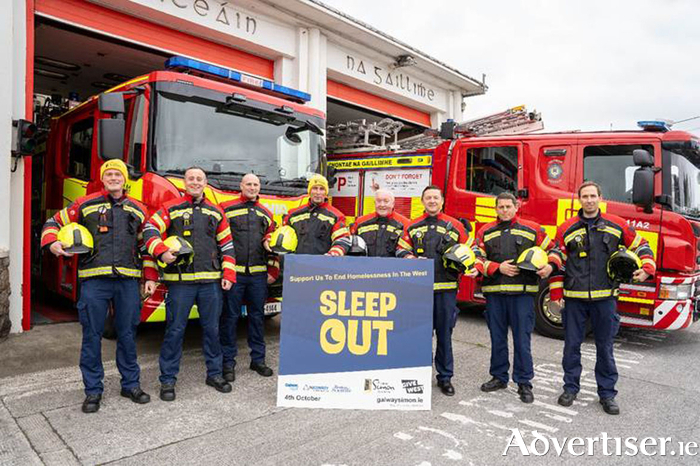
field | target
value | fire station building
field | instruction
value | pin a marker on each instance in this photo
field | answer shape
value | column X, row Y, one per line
column 57, row 52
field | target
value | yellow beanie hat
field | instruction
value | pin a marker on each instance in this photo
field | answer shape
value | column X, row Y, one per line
column 114, row 164
column 318, row 180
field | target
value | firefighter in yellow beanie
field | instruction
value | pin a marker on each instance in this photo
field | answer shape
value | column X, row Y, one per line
column 110, row 271
column 318, row 225
column 115, row 164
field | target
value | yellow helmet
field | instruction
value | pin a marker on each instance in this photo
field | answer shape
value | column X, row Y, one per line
column 181, row 248
column 459, row 257
column 283, row 240
column 532, row 259
column 76, row 239
column 622, row 265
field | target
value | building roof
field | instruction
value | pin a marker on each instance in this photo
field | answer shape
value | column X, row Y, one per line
column 335, row 21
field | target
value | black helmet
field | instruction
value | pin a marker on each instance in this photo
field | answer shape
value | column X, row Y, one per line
column 356, row 245
column 622, row 265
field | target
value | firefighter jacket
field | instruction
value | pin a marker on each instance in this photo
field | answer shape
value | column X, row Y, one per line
column 251, row 225
column 430, row 236
column 498, row 242
column 318, row 228
column 583, row 252
column 382, row 234
column 116, row 227
column 203, row 224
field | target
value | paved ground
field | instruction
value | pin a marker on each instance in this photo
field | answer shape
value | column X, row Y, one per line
column 41, row 422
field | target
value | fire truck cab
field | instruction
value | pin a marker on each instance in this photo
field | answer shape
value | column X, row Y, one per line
column 166, row 121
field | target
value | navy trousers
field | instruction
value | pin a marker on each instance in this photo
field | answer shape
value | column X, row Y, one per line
column 93, row 306
column 253, row 290
column 605, row 322
column 444, row 320
column 518, row 312
column 178, row 303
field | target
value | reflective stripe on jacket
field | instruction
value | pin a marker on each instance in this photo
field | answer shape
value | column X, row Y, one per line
column 204, row 225
column 498, row 242
column 318, row 228
column 251, row 224
column 382, row 234
column 583, row 250
column 430, row 236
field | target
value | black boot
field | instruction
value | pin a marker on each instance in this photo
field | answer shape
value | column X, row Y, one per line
column 219, row 384
column 167, row 392
column 493, row 385
column 446, row 387
column 610, row 406
column 525, row 392
column 566, row 399
column 229, row 373
column 92, row 403
column 261, row 369
column 136, row 395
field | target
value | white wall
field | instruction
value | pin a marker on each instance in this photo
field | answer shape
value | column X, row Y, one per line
column 14, row 50
column 6, row 80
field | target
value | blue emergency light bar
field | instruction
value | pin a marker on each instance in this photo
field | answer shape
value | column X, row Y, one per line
column 188, row 64
column 658, row 126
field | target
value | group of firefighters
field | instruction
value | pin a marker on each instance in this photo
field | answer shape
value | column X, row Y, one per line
column 220, row 256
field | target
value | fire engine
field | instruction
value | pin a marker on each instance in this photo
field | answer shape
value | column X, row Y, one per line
column 649, row 177
column 192, row 113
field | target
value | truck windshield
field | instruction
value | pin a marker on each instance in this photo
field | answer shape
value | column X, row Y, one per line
column 685, row 184
column 193, row 131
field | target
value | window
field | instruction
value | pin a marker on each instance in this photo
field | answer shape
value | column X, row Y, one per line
column 613, row 169
column 685, row 184
column 134, row 112
column 80, row 151
column 492, row 170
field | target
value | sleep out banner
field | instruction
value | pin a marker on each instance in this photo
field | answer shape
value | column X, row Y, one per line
column 356, row 333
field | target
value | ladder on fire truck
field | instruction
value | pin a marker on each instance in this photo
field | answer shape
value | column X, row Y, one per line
column 361, row 135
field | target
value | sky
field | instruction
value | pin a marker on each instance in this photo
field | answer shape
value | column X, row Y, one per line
column 584, row 65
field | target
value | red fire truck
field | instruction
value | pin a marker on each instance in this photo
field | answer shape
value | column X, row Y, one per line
column 650, row 177
column 191, row 114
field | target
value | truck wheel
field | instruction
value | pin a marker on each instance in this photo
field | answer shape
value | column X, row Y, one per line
column 110, row 332
column 547, row 315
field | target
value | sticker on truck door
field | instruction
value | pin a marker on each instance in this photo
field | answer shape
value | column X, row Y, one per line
column 407, row 186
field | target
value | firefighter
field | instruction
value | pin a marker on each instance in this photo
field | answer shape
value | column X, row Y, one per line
column 429, row 236
column 383, row 229
column 586, row 241
column 251, row 226
column 318, row 225
column 202, row 224
column 110, row 272
column 510, row 286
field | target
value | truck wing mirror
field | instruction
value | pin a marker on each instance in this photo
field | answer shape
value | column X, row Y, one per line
column 330, row 176
column 111, row 131
column 642, row 158
column 643, row 188
column 111, row 102
column 110, row 138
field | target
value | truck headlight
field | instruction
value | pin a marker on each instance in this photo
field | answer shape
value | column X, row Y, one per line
column 674, row 291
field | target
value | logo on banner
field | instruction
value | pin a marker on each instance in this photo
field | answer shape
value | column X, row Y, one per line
column 316, row 388
column 292, row 386
column 341, row 389
column 378, row 386
column 412, row 386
